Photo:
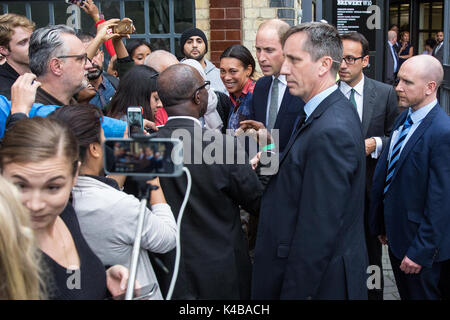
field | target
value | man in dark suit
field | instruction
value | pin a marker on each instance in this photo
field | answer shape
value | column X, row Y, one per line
column 272, row 104
column 410, row 194
column 377, row 108
column 215, row 262
column 310, row 242
column 438, row 51
column 391, row 56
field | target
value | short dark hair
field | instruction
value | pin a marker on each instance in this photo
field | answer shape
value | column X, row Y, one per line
column 322, row 40
column 135, row 43
column 85, row 36
column 135, row 89
column 357, row 37
column 85, row 123
column 431, row 42
column 241, row 53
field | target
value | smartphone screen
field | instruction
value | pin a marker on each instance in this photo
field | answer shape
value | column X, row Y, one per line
column 135, row 120
column 151, row 157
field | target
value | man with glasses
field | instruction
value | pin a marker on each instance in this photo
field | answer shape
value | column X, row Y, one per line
column 215, row 262
column 376, row 104
column 60, row 63
column 102, row 85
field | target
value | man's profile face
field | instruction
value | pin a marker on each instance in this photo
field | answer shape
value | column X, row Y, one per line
column 352, row 73
column 74, row 68
column 194, row 48
column 18, row 46
column 411, row 87
column 269, row 51
column 300, row 70
column 95, row 71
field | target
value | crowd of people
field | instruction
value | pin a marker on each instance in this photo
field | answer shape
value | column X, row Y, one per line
column 399, row 49
column 353, row 171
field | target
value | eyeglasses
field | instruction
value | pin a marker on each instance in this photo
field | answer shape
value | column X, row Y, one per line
column 83, row 56
column 351, row 59
column 206, row 85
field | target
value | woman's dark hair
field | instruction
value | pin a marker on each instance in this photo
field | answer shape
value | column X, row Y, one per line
column 85, row 123
column 431, row 42
column 241, row 53
column 133, row 44
column 38, row 139
column 135, row 89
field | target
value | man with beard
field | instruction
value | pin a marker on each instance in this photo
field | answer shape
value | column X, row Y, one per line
column 194, row 46
column 102, row 85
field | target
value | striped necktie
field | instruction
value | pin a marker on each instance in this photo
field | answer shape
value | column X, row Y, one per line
column 396, row 152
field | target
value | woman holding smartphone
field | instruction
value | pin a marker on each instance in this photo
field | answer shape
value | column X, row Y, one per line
column 40, row 156
column 108, row 217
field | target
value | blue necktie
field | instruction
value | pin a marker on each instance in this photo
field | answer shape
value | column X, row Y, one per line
column 396, row 152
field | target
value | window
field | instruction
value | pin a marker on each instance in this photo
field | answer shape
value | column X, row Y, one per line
column 159, row 22
column 430, row 21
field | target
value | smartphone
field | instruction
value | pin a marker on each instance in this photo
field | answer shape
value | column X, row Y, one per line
column 144, row 293
column 135, row 119
column 123, row 27
column 151, row 157
column 80, row 2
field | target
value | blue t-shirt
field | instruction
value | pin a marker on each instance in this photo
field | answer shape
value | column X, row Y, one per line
column 113, row 128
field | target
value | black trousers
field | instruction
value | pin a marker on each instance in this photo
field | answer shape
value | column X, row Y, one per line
column 374, row 251
column 422, row 286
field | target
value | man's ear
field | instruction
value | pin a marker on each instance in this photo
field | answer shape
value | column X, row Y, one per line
column 365, row 61
column 55, row 66
column 325, row 66
column 196, row 98
column 4, row 51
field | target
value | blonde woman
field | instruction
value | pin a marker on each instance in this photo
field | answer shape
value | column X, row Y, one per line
column 19, row 257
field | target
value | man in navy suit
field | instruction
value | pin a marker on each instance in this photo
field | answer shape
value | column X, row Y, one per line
column 310, row 242
column 410, row 208
column 272, row 105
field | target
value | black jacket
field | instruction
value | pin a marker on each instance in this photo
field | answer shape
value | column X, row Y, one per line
column 215, row 262
column 7, row 78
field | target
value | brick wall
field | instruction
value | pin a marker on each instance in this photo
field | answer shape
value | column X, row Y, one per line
column 229, row 22
column 226, row 26
column 202, row 19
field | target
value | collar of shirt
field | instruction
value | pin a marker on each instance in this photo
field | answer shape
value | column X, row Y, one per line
column 317, row 99
column 186, row 117
column 248, row 87
column 419, row 115
column 281, row 78
column 359, row 88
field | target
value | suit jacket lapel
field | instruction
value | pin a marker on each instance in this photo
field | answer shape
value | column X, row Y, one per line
column 261, row 108
column 369, row 99
column 415, row 137
column 328, row 101
column 283, row 107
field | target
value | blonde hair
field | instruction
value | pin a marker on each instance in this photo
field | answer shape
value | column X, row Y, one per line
column 20, row 273
column 10, row 21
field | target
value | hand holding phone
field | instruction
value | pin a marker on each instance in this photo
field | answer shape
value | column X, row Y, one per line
column 124, row 26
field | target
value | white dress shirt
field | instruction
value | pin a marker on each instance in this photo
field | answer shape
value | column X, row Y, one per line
column 359, row 98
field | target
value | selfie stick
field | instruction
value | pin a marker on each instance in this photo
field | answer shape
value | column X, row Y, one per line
column 178, row 248
column 137, row 242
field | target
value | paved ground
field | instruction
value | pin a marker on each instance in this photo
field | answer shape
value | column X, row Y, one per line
column 390, row 289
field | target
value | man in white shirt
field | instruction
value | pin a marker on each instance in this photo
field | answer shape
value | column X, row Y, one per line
column 376, row 105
